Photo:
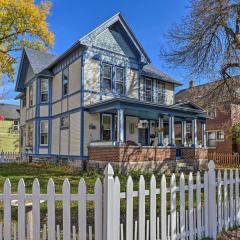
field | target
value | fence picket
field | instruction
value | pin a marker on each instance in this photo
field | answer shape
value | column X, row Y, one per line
column 51, row 209
column 66, row 210
column 58, row 232
column 116, row 231
column 36, row 209
column 21, row 210
column 1, row 231
column 198, row 212
column 190, row 206
column 231, row 199
column 225, row 200
column 141, row 209
column 153, row 207
column 219, row 201
column 98, row 210
column 82, row 215
column 163, row 208
column 206, row 204
column 173, row 208
column 129, row 209
column 182, row 206
column 237, row 197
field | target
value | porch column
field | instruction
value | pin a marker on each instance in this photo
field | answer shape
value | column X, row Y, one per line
column 171, row 131
column 184, row 133
column 120, row 125
column 194, row 132
column 160, row 134
column 204, row 139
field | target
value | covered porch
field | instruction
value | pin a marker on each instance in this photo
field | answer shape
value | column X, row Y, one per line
column 154, row 130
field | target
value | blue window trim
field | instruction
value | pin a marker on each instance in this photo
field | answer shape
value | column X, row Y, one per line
column 40, row 90
column 102, row 76
column 39, row 131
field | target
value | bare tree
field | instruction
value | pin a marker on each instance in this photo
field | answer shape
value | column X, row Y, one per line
column 208, row 41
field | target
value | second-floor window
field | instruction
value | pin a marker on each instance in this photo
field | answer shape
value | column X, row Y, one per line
column 148, row 90
column 44, row 90
column 212, row 110
column 15, row 125
column 65, row 80
column 64, row 122
column 160, row 92
column 107, row 78
column 30, row 96
column 119, row 83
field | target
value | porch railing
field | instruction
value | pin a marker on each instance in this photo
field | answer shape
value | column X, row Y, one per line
column 225, row 160
column 12, row 157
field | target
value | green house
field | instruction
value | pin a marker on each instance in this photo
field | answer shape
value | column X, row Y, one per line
column 9, row 128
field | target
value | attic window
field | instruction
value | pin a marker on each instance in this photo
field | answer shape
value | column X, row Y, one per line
column 107, row 78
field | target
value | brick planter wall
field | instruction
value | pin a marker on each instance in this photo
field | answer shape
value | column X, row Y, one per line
column 130, row 153
column 194, row 153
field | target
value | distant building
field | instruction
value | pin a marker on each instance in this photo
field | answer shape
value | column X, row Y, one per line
column 224, row 115
column 9, row 128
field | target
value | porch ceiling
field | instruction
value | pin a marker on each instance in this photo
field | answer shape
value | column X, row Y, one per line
column 144, row 109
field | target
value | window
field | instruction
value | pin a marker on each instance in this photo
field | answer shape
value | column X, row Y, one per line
column 160, row 92
column 212, row 139
column 106, row 127
column 30, row 134
column 119, row 81
column 15, row 125
column 44, row 90
column 24, row 101
column 64, row 122
column 220, row 135
column 107, row 78
column 148, row 90
column 65, row 78
column 211, row 110
column 30, row 96
column 43, row 132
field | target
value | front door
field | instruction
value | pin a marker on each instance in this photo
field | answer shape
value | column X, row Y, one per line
column 144, row 136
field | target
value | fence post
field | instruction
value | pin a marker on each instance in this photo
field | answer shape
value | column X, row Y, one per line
column 212, row 208
column 108, row 203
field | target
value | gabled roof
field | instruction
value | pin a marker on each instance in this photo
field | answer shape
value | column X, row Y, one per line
column 39, row 60
column 9, row 111
column 153, row 72
column 190, row 105
column 110, row 22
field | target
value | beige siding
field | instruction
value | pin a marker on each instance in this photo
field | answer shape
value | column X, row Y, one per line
column 75, row 134
column 169, row 93
column 27, row 97
column 34, row 86
column 22, row 115
column 29, row 74
column 57, row 87
column 43, row 151
column 56, row 108
column 92, row 75
column 55, row 136
column 74, row 76
column 44, row 111
column 91, row 135
column 131, row 136
column 64, row 134
column 132, row 83
column 64, row 105
column 74, row 101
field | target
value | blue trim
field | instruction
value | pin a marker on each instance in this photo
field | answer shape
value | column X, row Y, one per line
column 50, row 114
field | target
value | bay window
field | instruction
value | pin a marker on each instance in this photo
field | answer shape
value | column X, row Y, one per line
column 44, row 132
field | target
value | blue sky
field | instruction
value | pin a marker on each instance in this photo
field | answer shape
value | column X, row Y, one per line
column 149, row 19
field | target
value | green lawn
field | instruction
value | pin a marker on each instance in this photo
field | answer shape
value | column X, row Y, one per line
column 58, row 173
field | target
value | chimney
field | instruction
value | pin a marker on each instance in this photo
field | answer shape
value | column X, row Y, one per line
column 191, row 84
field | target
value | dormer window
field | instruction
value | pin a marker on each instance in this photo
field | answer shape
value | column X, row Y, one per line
column 107, row 78
column 65, row 80
column 44, row 90
column 119, row 83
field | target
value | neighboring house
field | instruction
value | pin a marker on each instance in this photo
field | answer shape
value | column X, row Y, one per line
column 9, row 127
column 224, row 115
column 101, row 92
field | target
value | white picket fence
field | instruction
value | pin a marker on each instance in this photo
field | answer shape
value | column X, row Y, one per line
column 12, row 157
column 212, row 205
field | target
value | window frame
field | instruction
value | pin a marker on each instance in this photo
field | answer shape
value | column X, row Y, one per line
column 15, row 125
column 150, row 91
column 68, row 123
column 103, row 78
column 160, row 94
column 41, row 122
column 211, row 132
column 44, row 92
column 217, row 137
column 65, row 82
column 117, row 81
